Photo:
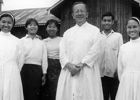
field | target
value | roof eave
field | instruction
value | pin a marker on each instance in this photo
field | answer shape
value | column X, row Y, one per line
column 54, row 9
column 56, row 4
column 138, row 1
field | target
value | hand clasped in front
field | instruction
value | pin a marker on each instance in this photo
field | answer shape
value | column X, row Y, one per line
column 74, row 69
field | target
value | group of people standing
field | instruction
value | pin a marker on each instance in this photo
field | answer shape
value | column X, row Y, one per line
column 84, row 64
column 29, row 63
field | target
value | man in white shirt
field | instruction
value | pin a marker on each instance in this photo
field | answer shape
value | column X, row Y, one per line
column 79, row 51
column 112, row 42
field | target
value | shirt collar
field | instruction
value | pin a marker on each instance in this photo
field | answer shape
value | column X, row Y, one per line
column 29, row 36
column 5, row 34
column 81, row 25
column 108, row 34
column 136, row 40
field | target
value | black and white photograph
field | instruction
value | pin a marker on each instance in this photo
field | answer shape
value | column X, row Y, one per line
column 69, row 49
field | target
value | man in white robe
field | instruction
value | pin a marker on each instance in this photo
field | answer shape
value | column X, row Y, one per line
column 79, row 52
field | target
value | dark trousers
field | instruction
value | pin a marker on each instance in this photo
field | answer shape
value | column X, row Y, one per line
column 50, row 87
column 110, row 87
column 31, row 76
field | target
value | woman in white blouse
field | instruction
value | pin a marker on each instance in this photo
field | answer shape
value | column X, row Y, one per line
column 129, row 64
column 54, row 67
column 35, row 61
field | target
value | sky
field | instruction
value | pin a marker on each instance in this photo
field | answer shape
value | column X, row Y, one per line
column 23, row 4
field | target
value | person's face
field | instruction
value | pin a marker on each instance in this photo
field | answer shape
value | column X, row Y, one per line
column 133, row 29
column 80, row 13
column 6, row 24
column 107, row 22
column 51, row 29
column 32, row 28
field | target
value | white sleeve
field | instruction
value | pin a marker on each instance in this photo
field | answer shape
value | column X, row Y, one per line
column 120, row 42
column 63, row 57
column 120, row 64
column 44, row 59
column 93, row 53
column 20, row 55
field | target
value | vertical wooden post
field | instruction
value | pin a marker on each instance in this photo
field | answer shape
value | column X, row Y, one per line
column 1, row 1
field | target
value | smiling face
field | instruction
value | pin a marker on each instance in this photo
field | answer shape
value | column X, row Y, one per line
column 107, row 23
column 80, row 13
column 133, row 29
column 52, row 29
column 6, row 24
column 32, row 28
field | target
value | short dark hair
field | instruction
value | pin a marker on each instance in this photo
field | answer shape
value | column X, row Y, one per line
column 31, row 20
column 79, row 2
column 108, row 14
column 55, row 22
column 8, row 14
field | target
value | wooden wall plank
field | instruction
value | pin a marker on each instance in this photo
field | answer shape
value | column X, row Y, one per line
column 120, row 8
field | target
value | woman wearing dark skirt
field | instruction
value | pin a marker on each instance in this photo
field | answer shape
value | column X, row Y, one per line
column 53, row 71
column 35, row 62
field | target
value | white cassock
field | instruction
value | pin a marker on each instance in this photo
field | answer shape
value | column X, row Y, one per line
column 129, row 71
column 80, row 44
column 10, row 81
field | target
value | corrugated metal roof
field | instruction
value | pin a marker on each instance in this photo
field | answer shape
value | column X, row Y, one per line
column 40, row 14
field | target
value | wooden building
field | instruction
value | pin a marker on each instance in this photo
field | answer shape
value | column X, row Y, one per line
column 1, row 2
column 42, row 15
column 122, row 10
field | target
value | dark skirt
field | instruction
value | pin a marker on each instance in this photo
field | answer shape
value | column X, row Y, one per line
column 53, row 71
column 31, row 76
